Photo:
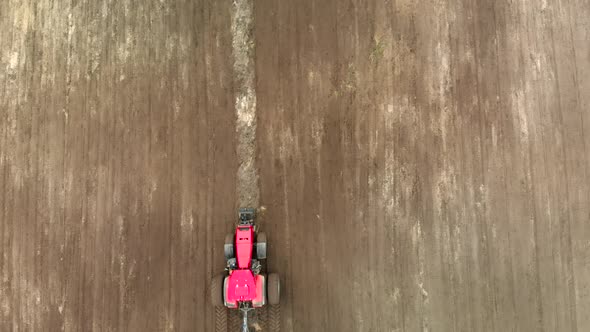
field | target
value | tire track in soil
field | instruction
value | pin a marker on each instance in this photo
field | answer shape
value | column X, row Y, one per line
column 235, row 321
column 243, row 47
column 245, row 101
column 220, row 319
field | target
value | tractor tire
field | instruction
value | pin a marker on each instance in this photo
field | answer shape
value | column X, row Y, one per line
column 273, row 289
column 228, row 248
column 216, row 291
column 261, row 245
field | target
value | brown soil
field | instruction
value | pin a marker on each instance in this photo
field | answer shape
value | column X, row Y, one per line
column 423, row 165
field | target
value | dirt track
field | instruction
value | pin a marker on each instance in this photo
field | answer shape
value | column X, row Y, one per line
column 423, row 165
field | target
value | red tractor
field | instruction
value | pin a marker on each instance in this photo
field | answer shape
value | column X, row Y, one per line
column 245, row 285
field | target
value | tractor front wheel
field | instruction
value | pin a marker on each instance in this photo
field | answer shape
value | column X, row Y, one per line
column 228, row 248
column 261, row 246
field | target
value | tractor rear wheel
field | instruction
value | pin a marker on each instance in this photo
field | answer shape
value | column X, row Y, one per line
column 273, row 289
column 216, row 291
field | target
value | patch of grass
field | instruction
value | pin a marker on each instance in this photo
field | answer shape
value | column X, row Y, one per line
column 377, row 50
column 350, row 79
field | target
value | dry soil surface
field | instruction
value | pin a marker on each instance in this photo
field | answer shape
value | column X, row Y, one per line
column 423, row 165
